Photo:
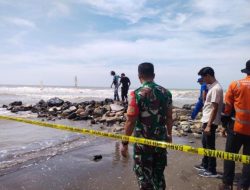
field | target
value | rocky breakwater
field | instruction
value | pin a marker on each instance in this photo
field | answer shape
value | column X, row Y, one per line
column 105, row 112
column 182, row 123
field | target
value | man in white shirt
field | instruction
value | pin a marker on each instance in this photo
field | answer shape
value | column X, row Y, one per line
column 211, row 116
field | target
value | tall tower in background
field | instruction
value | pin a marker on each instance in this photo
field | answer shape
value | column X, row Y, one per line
column 41, row 85
column 76, row 82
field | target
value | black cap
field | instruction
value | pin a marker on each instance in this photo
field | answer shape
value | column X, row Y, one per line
column 247, row 69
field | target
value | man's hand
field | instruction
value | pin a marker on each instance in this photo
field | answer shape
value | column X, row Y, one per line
column 223, row 132
column 124, row 150
column 169, row 138
column 207, row 130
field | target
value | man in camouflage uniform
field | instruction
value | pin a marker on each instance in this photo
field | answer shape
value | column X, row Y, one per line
column 149, row 115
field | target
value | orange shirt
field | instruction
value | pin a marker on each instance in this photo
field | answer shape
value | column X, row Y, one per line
column 238, row 98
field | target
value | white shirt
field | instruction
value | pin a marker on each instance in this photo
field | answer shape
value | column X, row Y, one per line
column 214, row 95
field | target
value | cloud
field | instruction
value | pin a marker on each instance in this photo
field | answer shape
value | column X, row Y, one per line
column 17, row 39
column 58, row 9
column 20, row 22
column 222, row 13
column 130, row 10
column 179, row 38
column 57, row 65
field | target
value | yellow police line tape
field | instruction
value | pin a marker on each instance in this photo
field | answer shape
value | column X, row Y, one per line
column 184, row 148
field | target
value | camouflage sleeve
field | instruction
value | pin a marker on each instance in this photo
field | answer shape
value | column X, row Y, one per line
column 168, row 96
column 133, row 109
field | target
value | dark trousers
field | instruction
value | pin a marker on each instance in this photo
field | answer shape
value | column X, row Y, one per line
column 124, row 93
column 208, row 141
column 233, row 144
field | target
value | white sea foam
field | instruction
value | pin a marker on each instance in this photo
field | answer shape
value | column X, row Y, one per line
column 34, row 94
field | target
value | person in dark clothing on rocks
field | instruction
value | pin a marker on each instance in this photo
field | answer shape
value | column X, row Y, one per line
column 116, row 84
column 149, row 115
column 125, row 87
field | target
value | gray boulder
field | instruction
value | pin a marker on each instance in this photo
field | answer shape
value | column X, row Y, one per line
column 55, row 102
column 16, row 103
column 116, row 107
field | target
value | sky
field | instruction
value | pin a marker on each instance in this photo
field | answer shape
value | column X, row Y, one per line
column 55, row 40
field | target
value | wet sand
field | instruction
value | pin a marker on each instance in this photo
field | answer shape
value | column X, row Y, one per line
column 75, row 169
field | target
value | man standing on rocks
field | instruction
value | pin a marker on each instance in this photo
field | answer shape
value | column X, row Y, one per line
column 125, row 86
column 211, row 116
column 237, row 100
column 115, row 83
column 149, row 115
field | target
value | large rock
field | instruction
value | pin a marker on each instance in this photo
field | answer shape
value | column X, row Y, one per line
column 183, row 118
column 41, row 103
column 72, row 116
column 16, row 103
column 112, row 119
column 73, row 108
column 107, row 107
column 116, row 107
column 120, row 113
column 186, row 128
column 84, row 114
column 80, row 110
column 108, row 101
column 66, row 105
column 99, row 111
column 55, row 102
column 27, row 107
column 52, row 109
column 110, row 114
column 16, row 109
column 4, row 106
column 65, row 113
column 184, row 123
column 187, row 106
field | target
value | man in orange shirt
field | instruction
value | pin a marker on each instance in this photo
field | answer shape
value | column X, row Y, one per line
column 237, row 100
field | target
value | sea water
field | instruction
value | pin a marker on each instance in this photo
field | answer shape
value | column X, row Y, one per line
column 23, row 144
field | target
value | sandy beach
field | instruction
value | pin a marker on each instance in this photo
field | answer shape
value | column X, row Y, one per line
column 75, row 169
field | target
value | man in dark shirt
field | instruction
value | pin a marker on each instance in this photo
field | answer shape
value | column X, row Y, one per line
column 125, row 86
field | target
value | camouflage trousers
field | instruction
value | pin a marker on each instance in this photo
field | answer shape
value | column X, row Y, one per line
column 149, row 169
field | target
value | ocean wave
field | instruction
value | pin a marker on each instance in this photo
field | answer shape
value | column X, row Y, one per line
column 34, row 94
column 32, row 153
